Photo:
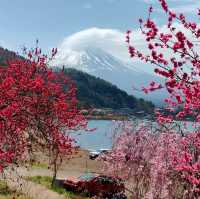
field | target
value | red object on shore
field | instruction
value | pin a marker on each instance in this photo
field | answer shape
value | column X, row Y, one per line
column 95, row 184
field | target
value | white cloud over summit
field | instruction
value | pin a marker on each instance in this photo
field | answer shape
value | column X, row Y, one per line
column 112, row 41
column 109, row 40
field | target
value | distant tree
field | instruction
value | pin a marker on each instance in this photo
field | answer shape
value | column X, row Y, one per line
column 7, row 55
column 98, row 93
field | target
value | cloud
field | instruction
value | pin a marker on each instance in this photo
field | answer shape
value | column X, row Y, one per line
column 109, row 40
column 112, row 41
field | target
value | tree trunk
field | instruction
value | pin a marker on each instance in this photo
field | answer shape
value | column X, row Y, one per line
column 54, row 170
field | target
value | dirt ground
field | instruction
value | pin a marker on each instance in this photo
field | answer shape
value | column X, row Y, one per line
column 81, row 162
column 73, row 167
column 77, row 164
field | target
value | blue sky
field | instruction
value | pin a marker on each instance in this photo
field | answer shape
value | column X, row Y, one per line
column 22, row 21
column 52, row 21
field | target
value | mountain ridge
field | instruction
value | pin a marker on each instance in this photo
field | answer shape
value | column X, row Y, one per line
column 101, row 64
column 111, row 97
column 94, row 92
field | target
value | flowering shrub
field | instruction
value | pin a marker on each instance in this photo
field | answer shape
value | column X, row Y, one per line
column 165, row 164
column 37, row 109
column 171, row 52
column 180, row 46
column 154, row 164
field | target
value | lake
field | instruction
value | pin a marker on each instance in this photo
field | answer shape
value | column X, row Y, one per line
column 100, row 138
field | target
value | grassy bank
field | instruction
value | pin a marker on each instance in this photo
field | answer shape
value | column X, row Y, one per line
column 39, row 165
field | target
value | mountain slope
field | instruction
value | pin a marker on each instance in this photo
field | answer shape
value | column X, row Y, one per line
column 6, row 55
column 93, row 91
column 98, row 93
column 102, row 64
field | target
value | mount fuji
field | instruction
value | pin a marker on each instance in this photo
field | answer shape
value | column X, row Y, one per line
column 102, row 64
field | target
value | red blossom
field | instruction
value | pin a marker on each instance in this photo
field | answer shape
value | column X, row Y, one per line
column 180, row 67
column 37, row 108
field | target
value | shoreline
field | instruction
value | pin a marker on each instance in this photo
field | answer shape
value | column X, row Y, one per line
column 116, row 117
column 107, row 118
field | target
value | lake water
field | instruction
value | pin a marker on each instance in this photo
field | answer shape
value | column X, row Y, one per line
column 100, row 138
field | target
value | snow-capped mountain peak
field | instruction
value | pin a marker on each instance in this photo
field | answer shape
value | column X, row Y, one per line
column 99, row 63
column 91, row 60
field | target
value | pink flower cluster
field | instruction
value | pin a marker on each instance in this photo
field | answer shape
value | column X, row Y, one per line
column 182, row 82
column 165, row 164
column 155, row 160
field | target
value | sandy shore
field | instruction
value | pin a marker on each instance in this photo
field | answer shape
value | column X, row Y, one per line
column 76, row 164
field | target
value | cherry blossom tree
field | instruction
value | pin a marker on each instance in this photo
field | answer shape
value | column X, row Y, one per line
column 174, row 53
column 165, row 164
column 38, row 108
column 154, row 161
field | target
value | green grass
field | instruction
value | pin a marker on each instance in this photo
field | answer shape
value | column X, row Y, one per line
column 6, row 193
column 39, row 165
column 46, row 181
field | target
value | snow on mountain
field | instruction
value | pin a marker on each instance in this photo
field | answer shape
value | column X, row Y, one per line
column 101, row 64
column 103, row 53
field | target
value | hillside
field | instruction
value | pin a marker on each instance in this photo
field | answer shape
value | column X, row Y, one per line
column 93, row 91
column 100, row 63
column 98, row 93
column 6, row 55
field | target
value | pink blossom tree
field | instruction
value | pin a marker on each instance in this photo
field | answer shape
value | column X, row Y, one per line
column 145, row 158
column 165, row 164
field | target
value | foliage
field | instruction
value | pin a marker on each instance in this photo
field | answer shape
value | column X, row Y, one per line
column 167, row 164
column 145, row 158
column 7, row 55
column 39, row 165
column 98, row 93
column 36, row 110
column 91, row 91
column 46, row 181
